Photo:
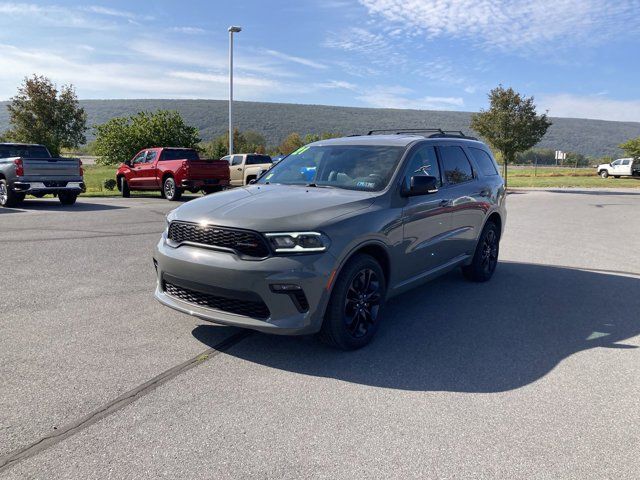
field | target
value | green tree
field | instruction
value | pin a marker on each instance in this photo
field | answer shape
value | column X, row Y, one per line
column 122, row 137
column 40, row 113
column 632, row 148
column 511, row 124
column 291, row 143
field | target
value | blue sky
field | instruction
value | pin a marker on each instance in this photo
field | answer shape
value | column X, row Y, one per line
column 579, row 58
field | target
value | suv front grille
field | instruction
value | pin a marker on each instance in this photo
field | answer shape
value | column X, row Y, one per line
column 248, row 308
column 250, row 244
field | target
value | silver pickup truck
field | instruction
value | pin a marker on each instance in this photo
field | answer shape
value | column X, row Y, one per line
column 30, row 169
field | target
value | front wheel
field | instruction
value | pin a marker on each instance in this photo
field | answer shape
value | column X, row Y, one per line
column 354, row 311
column 67, row 198
column 124, row 188
column 485, row 258
column 604, row 174
column 171, row 191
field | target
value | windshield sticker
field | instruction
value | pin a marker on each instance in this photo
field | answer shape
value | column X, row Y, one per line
column 365, row 185
column 269, row 176
column 300, row 150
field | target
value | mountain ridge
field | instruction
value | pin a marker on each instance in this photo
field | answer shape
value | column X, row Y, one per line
column 593, row 138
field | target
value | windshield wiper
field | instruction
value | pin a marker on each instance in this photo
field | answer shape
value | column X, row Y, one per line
column 315, row 185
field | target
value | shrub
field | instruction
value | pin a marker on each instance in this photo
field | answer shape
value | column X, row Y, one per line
column 109, row 184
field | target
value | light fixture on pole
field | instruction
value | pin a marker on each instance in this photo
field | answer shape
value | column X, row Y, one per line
column 232, row 30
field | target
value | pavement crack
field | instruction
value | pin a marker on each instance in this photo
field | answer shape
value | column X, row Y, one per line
column 9, row 460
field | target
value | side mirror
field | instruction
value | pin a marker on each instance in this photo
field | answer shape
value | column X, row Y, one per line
column 252, row 181
column 422, row 185
column 127, row 163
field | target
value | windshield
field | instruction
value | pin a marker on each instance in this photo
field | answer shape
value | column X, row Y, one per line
column 352, row 167
column 24, row 151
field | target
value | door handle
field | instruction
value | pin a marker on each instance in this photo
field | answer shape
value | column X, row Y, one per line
column 485, row 192
column 239, row 169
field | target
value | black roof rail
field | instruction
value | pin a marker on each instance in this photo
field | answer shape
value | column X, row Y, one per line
column 432, row 132
column 404, row 130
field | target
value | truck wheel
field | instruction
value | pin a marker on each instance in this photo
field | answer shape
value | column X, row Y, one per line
column 354, row 311
column 171, row 191
column 209, row 190
column 485, row 258
column 124, row 188
column 604, row 173
column 9, row 198
column 67, row 198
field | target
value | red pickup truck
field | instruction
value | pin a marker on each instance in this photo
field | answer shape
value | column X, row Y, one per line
column 171, row 171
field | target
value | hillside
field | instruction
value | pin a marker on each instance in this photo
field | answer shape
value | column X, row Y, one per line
column 593, row 138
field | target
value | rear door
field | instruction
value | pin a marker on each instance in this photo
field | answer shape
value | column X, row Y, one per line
column 236, row 171
column 463, row 188
column 426, row 218
column 625, row 167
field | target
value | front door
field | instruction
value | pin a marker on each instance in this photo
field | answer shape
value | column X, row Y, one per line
column 147, row 170
column 426, row 219
column 135, row 179
column 236, row 170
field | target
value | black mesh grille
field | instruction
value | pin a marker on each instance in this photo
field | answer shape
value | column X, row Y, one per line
column 248, row 308
column 246, row 243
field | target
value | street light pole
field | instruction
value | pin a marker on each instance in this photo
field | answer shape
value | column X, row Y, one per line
column 232, row 30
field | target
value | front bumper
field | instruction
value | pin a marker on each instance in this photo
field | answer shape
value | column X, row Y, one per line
column 221, row 273
column 47, row 187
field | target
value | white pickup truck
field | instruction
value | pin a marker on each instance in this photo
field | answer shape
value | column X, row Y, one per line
column 244, row 167
column 622, row 167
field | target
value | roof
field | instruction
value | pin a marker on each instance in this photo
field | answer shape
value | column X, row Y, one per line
column 19, row 144
column 400, row 140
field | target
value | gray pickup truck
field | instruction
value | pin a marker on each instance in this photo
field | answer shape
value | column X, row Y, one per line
column 30, row 169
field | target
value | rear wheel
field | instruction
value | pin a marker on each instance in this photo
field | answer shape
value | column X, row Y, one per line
column 171, row 191
column 354, row 310
column 604, row 173
column 485, row 258
column 124, row 188
column 9, row 198
column 67, row 198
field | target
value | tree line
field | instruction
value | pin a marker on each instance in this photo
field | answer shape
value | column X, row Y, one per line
column 42, row 113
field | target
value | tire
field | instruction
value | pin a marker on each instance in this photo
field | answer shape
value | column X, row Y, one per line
column 604, row 173
column 210, row 190
column 485, row 258
column 67, row 198
column 351, row 321
column 9, row 198
column 171, row 191
column 124, row 188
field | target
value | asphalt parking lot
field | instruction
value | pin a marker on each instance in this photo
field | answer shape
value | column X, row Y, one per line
column 535, row 374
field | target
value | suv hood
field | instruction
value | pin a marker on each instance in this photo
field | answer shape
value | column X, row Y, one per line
column 274, row 207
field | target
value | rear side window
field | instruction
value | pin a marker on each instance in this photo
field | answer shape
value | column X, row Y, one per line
column 626, row 162
column 258, row 159
column 484, row 161
column 455, row 164
column 179, row 154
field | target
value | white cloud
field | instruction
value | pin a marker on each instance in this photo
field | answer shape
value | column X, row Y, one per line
column 189, row 30
column 294, row 59
column 596, row 106
column 337, row 84
column 111, row 12
column 223, row 79
column 401, row 97
column 510, row 24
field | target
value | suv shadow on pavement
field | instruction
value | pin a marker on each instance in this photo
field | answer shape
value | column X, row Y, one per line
column 54, row 206
column 451, row 335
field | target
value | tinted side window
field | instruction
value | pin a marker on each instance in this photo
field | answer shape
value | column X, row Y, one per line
column 626, row 162
column 140, row 158
column 423, row 162
column 455, row 164
column 258, row 159
column 484, row 161
column 236, row 160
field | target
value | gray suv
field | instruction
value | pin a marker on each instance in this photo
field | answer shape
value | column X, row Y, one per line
column 324, row 238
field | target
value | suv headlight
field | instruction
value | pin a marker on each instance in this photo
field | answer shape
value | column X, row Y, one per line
column 298, row 242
